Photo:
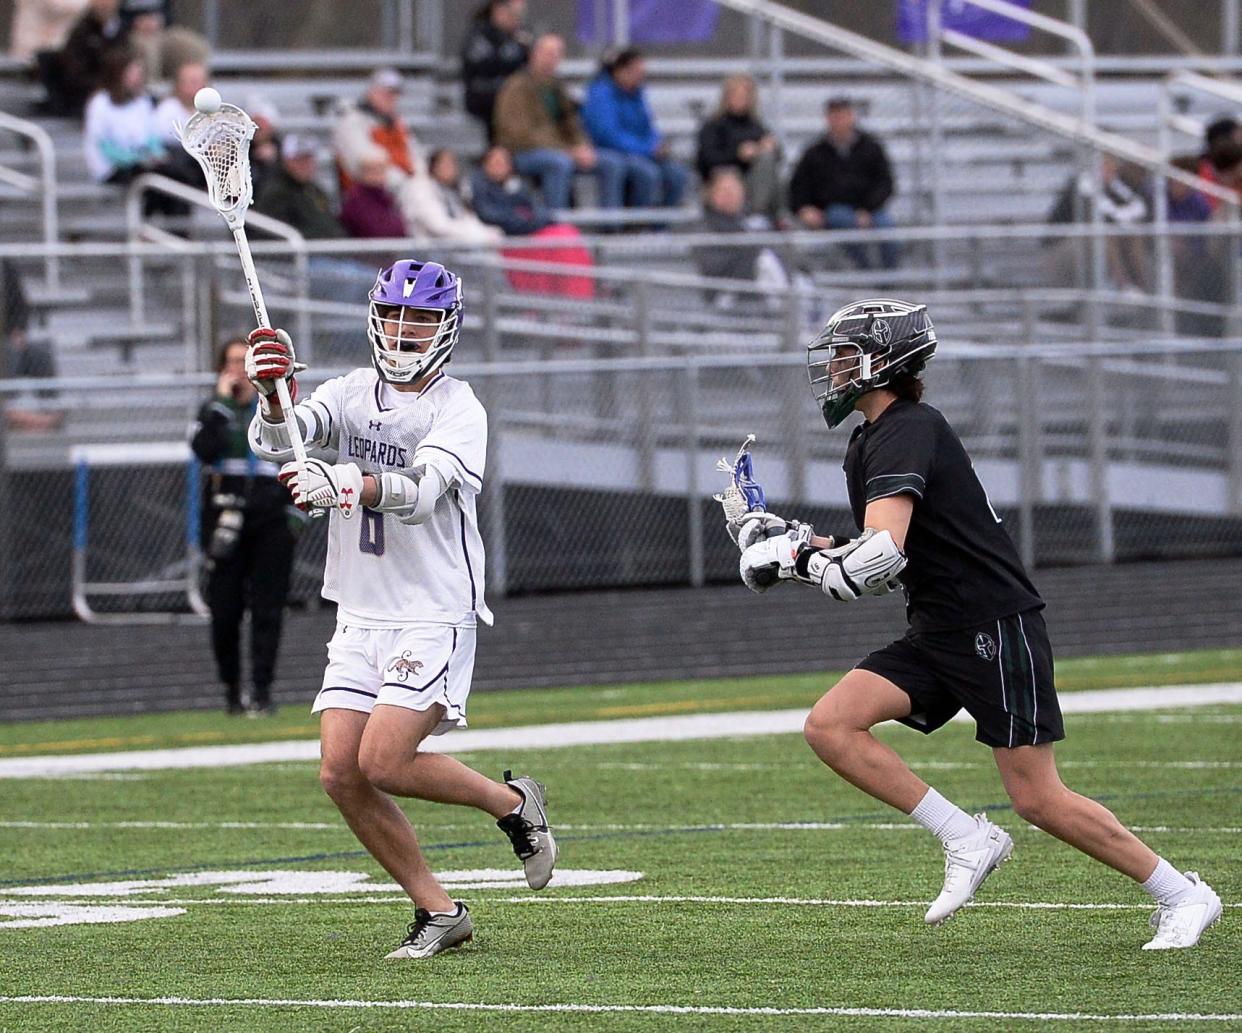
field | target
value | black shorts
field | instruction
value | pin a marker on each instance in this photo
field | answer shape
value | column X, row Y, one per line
column 999, row 672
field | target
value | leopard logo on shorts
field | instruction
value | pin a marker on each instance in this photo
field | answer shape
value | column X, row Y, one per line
column 985, row 647
column 404, row 666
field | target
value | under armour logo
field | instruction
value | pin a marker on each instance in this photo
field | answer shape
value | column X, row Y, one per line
column 374, row 424
column 881, row 332
column 985, row 647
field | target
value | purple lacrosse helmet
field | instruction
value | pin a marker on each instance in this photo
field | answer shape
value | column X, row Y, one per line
column 404, row 288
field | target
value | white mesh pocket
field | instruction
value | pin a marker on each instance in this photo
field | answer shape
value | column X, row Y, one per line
column 220, row 143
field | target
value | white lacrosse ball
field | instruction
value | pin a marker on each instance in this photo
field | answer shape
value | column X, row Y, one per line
column 207, row 100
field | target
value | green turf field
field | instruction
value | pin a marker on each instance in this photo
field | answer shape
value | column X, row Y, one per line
column 746, row 914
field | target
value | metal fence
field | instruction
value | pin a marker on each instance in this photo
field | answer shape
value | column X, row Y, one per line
column 600, row 472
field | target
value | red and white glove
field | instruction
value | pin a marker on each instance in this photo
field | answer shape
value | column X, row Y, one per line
column 315, row 484
column 270, row 358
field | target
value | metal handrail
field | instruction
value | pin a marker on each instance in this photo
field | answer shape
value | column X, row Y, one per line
column 139, row 229
column 988, row 95
column 45, row 185
column 1052, row 26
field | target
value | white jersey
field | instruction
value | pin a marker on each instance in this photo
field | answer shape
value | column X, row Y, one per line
column 380, row 572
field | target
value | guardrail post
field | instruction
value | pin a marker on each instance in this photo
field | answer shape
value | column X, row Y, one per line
column 1030, row 463
column 646, row 432
column 776, row 81
column 694, row 504
column 8, row 605
column 494, row 496
column 1234, row 366
column 1097, row 445
column 794, row 424
column 1164, row 246
column 133, row 219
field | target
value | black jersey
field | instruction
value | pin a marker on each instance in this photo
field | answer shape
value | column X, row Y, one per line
column 963, row 568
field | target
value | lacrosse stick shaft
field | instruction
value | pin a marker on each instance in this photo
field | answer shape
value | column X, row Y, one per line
column 260, row 314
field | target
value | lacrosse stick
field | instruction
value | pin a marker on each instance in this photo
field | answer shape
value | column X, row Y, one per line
column 218, row 138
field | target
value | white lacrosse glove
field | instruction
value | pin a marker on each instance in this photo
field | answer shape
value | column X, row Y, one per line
column 750, row 527
column 270, row 358
column 315, row 484
column 771, row 560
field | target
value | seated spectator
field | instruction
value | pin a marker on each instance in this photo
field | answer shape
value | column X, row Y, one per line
column 372, row 121
column 368, row 208
column 735, row 138
column 20, row 357
column 724, row 211
column 843, row 181
column 163, row 47
column 501, row 199
column 537, row 122
column 176, row 110
column 618, row 118
column 439, row 208
column 1222, row 131
column 496, row 47
column 78, row 72
column 40, row 26
column 292, row 195
column 121, row 137
column 265, row 144
column 1128, row 261
column 178, row 107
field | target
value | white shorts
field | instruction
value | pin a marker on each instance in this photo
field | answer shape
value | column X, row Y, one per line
column 414, row 667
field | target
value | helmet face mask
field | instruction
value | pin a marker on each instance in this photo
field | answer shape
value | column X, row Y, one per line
column 864, row 346
column 414, row 320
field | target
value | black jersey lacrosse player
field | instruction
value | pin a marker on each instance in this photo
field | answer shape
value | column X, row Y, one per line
column 976, row 639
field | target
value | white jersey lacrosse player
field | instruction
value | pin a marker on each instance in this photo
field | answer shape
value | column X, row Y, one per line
column 396, row 456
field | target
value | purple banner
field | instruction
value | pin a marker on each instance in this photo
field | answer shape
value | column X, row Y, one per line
column 963, row 16
column 651, row 21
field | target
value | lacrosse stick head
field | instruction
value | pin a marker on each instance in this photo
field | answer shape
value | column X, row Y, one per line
column 220, row 142
column 744, row 494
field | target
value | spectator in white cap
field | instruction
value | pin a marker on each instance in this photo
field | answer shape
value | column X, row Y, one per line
column 374, row 120
column 292, row 195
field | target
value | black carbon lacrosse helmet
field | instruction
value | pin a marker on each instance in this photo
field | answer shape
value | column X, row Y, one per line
column 871, row 342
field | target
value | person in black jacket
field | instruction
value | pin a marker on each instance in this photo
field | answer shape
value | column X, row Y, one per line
column 496, row 47
column 843, row 181
column 735, row 138
column 248, row 536
column 78, row 69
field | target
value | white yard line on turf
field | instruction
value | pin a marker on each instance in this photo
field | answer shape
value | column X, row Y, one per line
column 595, row 1009
column 578, row 733
column 731, row 826
column 826, row 902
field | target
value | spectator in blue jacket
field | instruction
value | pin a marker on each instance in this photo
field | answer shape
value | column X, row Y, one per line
column 618, row 118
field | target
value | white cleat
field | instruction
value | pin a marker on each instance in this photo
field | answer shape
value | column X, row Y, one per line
column 967, row 862
column 1181, row 925
column 430, row 934
column 527, row 829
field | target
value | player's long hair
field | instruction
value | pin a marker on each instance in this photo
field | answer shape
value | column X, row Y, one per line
column 906, row 387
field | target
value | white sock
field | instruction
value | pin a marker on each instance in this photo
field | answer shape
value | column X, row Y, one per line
column 943, row 818
column 1167, row 885
column 456, row 910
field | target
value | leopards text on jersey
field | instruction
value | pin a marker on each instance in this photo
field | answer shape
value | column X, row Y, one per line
column 963, row 568
column 381, row 572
